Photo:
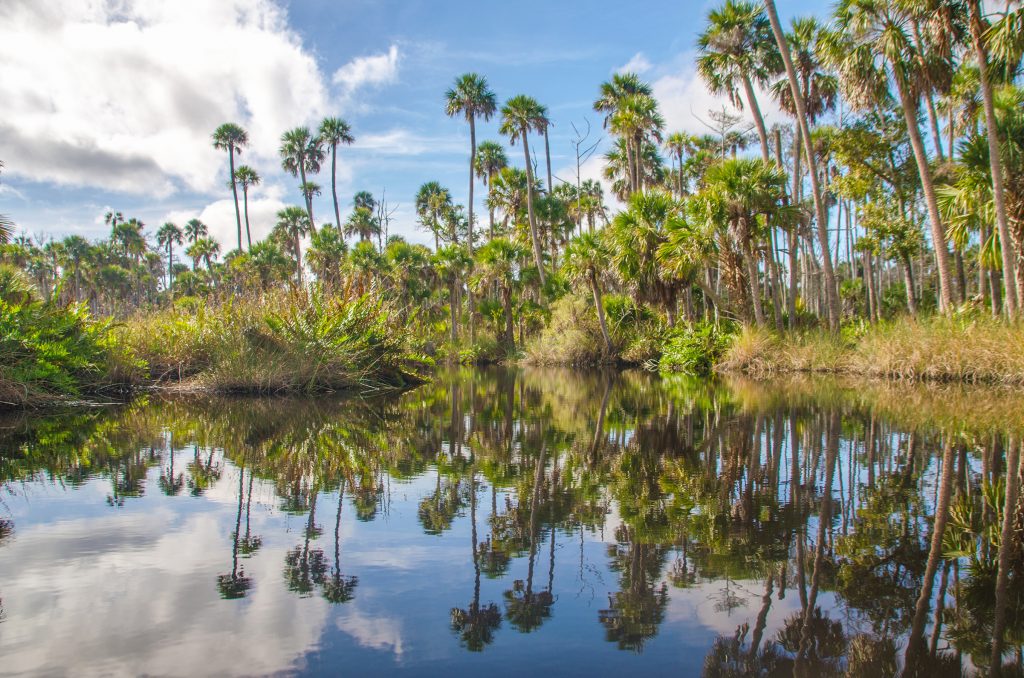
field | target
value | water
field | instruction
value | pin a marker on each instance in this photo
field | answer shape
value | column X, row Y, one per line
column 498, row 521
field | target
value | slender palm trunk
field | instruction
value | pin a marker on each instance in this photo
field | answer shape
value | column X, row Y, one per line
column 334, row 186
column 245, row 201
column 755, row 288
column 937, row 231
column 547, row 156
column 307, row 196
column 234, row 192
column 595, row 290
column 755, row 111
column 995, row 160
column 908, row 280
column 537, row 256
column 831, row 288
column 472, row 156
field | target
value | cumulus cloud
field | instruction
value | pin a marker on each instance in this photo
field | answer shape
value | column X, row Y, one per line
column 378, row 69
column 124, row 94
column 639, row 63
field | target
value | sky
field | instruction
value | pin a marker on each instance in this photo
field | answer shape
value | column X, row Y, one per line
column 110, row 104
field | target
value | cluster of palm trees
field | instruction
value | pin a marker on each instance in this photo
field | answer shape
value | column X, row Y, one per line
column 895, row 185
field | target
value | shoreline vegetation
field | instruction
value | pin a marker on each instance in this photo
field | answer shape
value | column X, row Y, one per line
column 877, row 231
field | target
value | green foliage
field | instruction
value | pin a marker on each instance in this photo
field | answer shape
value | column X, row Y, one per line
column 51, row 353
column 695, row 349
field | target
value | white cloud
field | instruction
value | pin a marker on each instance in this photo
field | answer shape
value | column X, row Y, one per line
column 124, row 94
column 219, row 217
column 685, row 99
column 378, row 69
column 639, row 64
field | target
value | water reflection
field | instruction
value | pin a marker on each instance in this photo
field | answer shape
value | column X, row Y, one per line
column 593, row 521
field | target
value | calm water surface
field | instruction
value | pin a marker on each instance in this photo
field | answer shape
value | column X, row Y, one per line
column 497, row 521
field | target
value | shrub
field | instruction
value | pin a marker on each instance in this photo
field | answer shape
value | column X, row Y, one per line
column 695, row 349
column 572, row 336
column 52, row 353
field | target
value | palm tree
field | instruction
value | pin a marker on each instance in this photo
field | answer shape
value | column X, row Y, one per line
column 613, row 92
column 585, row 258
column 831, row 286
column 302, row 152
column 194, row 230
column 497, row 264
column 433, row 202
column 876, row 46
column 167, row 236
column 451, row 262
column 737, row 51
column 519, row 116
column 471, row 98
column 362, row 222
column 635, row 121
column 739, row 194
column 335, row 131
column 247, row 176
column 310, row 189
column 76, row 251
column 292, row 224
column 326, row 255
column 233, row 139
column 490, row 159
column 979, row 24
column 680, row 144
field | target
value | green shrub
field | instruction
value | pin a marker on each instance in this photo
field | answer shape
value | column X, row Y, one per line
column 572, row 335
column 695, row 349
column 52, row 353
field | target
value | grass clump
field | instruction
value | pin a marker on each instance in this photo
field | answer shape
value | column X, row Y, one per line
column 572, row 336
column 52, row 353
column 297, row 342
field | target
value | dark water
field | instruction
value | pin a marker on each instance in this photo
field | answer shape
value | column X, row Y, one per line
column 500, row 522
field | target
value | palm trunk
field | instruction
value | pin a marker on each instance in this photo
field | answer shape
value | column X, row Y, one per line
column 334, row 186
column 595, row 289
column 453, row 303
column 472, row 156
column 995, row 160
column 248, row 232
column 547, row 156
column 869, row 276
column 538, row 258
column 937, row 231
column 755, row 111
column 309, row 198
column 831, row 288
column 908, row 280
column 234, row 192
column 755, row 288
column 506, row 299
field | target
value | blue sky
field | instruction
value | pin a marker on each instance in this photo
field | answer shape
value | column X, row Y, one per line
column 109, row 104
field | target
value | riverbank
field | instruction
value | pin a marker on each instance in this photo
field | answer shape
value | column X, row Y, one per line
column 270, row 344
column 975, row 350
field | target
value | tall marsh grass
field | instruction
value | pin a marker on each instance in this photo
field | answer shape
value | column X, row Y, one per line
column 305, row 342
column 974, row 349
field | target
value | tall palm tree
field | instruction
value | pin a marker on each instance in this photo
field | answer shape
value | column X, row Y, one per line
column 519, row 117
column 363, row 223
column 585, row 258
column 737, row 50
column 333, row 132
column 497, row 264
column 292, row 224
column 232, row 138
column 302, row 152
column 876, row 47
column 979, row 25
column 195, row 229
column 636, row 121
column 490, row 159
column 621, row 86
column 831, row 286
column 247, row 176
column 471, row 98
column 167, row 236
